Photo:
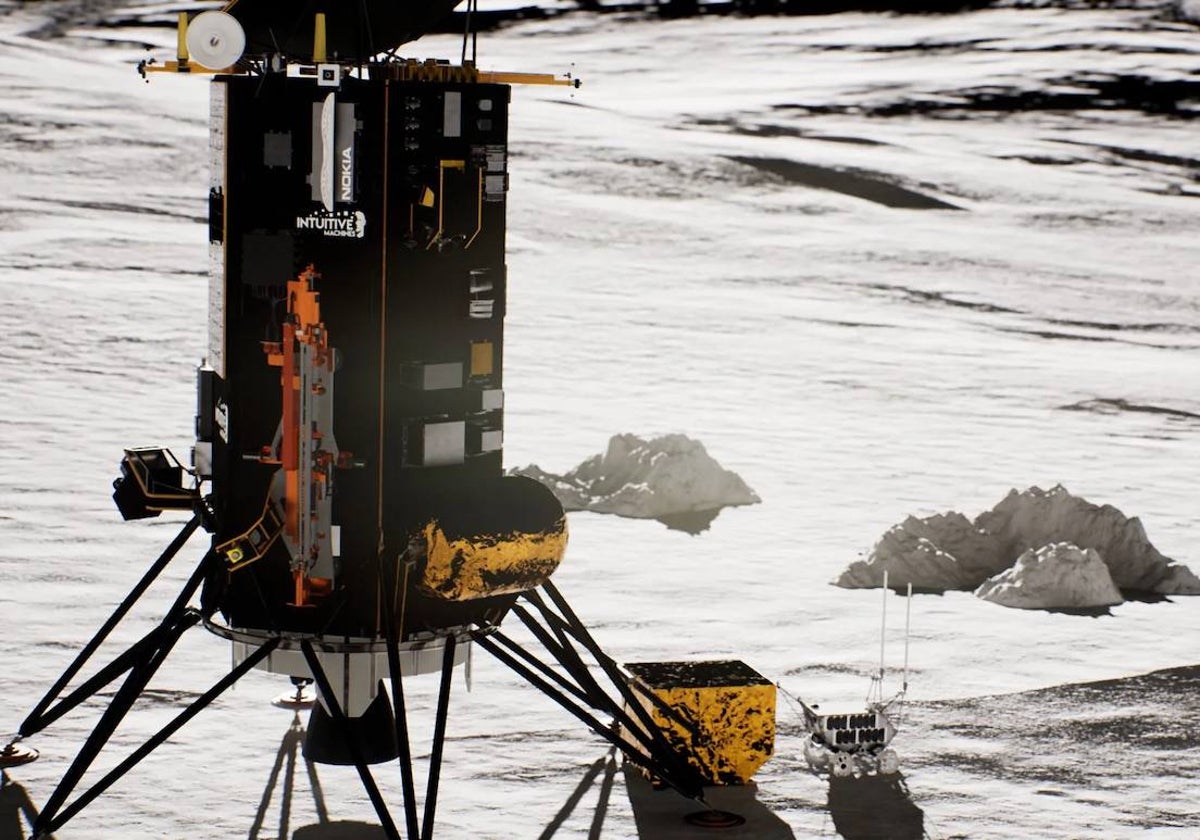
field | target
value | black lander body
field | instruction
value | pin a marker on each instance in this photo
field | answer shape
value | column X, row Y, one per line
column 393, row 193
column 349, row 427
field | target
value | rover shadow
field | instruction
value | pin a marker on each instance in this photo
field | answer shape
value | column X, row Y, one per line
column 875, row 808
column 17, row 811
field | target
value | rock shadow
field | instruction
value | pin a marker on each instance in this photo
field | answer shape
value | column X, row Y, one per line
column 1143, row 596
column 693, row 522
column 1086, row 612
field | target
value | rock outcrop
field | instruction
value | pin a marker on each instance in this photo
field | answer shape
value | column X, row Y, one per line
column 948, row 551
column 665, row 478
column 1037, row 517
column 943, row 551
column 1055, row 576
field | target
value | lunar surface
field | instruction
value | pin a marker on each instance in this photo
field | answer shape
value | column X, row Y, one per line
column 882, row 265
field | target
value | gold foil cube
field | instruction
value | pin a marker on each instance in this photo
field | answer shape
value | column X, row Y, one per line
column 721, row 718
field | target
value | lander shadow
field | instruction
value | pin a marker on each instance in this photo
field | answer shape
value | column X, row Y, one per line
column 17, row 811
column 282, row 787
column 660, row 813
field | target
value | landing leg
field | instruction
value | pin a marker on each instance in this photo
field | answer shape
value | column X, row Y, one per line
column 563, row 636
column 38, row 719
column 439, row 740
column 139, row 663
column 400, row 713
column 50, row 820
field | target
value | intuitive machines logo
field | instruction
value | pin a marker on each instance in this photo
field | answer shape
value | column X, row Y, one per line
column 344, row 223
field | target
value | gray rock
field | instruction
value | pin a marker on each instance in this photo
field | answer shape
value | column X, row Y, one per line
column 1055, row 576
column 947, row 551
column 647, row 479
column 1037, row 517
column 943, row 551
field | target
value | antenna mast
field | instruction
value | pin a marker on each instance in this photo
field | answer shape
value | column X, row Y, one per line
column 907, row 623
column 875, row 692
column 883, row 632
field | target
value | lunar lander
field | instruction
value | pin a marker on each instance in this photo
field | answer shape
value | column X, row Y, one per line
column 349, row 429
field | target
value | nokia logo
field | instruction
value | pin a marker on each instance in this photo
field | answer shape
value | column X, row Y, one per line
column 344, row 223
column 332, row 177
column 346, row 173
